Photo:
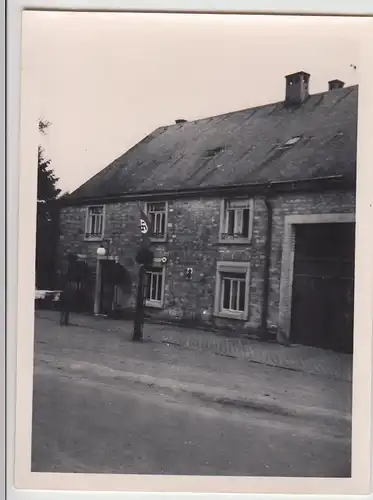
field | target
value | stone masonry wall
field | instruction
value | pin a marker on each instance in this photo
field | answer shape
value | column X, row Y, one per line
column 296, row 204
column 193, row 241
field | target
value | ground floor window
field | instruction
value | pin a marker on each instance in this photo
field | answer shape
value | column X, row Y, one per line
column 232, row 289
column 154, row 285
column 233, row 292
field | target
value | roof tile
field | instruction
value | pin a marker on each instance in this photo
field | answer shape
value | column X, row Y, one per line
column 239, row 147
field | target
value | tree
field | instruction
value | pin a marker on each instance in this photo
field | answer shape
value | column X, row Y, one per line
column 47, row 181
column 47, row 231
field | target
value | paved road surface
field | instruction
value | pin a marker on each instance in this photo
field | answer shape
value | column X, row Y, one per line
column 93, row 412
column 85, row 426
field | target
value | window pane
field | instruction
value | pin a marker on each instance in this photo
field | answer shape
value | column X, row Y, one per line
column 230, row 222
column 241, row 305
column 234, row 296
column 94, row 223
column 159, row 287
column 153, row 295
column 238, row 222
column 163, row 220
column 226, row 293
column 245, row 223
column 99, row 224
column 152, row 222
column 158, row 223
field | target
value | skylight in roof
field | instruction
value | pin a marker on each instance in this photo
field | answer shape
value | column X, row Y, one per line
column 210, row 153
column 291, row 142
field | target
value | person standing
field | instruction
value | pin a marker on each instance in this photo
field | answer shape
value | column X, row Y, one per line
column 66, row 302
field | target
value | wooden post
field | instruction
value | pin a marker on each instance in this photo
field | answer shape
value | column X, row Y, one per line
column 140, row 302
column 97, row 288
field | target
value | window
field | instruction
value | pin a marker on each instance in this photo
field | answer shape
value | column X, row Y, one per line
column 236, row 220
column 210, row 153
column 290, row 142
column 233, row 292
column 95, row 222
column 154, row 287
column 157, row 213
column 232, row 289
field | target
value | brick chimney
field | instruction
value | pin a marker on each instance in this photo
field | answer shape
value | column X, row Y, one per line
column 335, row 84
column 297, row 87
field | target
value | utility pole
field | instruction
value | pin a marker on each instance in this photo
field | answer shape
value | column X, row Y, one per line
column 145, row 258
column 140, row 306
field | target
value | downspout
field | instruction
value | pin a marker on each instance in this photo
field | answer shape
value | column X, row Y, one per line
column 267, row 265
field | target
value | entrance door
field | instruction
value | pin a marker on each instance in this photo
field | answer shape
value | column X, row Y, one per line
column 107, row 288
column 323, row 286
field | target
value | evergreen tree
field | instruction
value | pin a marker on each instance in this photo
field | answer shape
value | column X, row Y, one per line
column 47, row 232
column 47, row 181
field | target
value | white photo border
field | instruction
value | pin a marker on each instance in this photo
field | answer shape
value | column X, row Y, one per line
column 18, row 125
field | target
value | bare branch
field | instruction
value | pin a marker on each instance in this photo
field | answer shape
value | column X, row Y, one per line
column 43, row 125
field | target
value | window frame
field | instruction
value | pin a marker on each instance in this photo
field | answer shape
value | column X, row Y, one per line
column 231, row 267
column 164, row 237
column 161, row 269
column 87, row 234
column 223, row 218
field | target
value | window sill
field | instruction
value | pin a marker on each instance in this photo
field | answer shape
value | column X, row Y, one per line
column 234, row 241
column 231, row 315
column 93, row 238
column 162, row 239
column 153, row 304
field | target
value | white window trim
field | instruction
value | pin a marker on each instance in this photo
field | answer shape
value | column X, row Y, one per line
column 235, row 241
column 231, row 267
column 94, row 238
column 158, row 304
column 161, row 238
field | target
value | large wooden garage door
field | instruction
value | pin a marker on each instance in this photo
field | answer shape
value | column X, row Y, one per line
column 323, row 286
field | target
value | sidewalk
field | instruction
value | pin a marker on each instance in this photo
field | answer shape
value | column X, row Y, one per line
column 298, row 358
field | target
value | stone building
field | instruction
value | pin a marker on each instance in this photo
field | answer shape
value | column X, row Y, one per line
column 253, row 213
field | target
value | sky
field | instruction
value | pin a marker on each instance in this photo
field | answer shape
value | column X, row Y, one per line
column 106, row 80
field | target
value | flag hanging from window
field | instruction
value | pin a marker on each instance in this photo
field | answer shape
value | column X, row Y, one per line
column 145, row 225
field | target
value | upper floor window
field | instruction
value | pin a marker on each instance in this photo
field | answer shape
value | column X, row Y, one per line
column 236, row 220
column 95, row 222
column 157, row 214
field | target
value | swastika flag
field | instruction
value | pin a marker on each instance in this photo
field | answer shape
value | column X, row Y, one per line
column 145, row 224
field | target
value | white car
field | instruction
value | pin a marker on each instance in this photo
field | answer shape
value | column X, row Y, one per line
column 43, row 294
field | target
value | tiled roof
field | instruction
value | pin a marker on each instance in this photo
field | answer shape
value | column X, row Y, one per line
column 248, row 146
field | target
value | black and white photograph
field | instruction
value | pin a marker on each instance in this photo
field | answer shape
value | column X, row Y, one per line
column 194, row 283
